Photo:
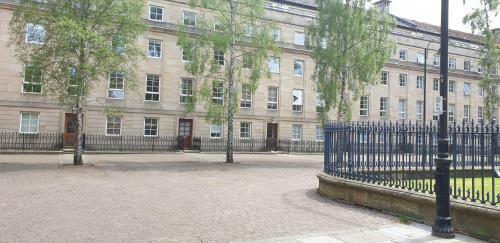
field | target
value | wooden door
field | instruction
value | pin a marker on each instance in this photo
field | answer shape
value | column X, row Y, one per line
column 186, row 132
column 70, row 130
column 272, row 135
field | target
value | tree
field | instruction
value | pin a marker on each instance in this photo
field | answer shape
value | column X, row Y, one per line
column 350, row 46
column 76, row 43
column 480, row 21
column 226, row 51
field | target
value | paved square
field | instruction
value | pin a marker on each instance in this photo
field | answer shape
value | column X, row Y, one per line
column 182, row 198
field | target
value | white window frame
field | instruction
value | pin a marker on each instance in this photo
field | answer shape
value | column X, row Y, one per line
column 31, row 83
column 403, row 55
column 218, row 93
column 452, row 63
column 467, row 91
column 451, row 112
column 188, row 18
column 466, row 113
column 153, row 93
column 272, row 102
column 320, row 133
column 298, row 68
column 298, row 107
column 420, row 58
column 156, row 14
column 248, row 128
column 151, row 52
column 467, row 65
column 451, row 86
column 299, row 38
column 114, row 128
column 295, row 136
column 32, row 34
column 111, row 90
column 405, row 82
column 276, row 33
column 212, row 132
column 29, row 121
column 384, row 78
column 402, row 112
column 219, row 58
column 183, row 86
column 437, row 60
column 384, row 107
column 246, row 97
column 274, row 64
column 435, row 84
column 364, row 106
column 420, row 82
column 419, row 110
column 157, row 126
column 480, row 113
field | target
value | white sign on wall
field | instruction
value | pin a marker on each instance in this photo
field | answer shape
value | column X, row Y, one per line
column 437, row 105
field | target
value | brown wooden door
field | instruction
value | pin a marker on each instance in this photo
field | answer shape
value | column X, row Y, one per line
column 70, row 130
column 272, row 135
column 186, row 132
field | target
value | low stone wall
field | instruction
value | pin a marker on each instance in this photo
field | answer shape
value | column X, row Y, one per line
column 478, row 220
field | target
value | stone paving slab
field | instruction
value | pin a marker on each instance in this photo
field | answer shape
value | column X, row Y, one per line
column 183, row 198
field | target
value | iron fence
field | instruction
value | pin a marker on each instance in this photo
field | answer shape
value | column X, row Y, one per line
column 401, row 155
column 205, row 144
column 301, row 146
column 34, row 142
column 124, row 143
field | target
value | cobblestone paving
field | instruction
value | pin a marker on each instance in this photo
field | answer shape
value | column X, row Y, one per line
column 181, row 198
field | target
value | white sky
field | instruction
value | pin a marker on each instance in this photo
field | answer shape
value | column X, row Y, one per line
column 429, row 11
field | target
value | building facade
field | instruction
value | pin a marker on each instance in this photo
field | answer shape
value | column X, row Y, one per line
column 283, row 106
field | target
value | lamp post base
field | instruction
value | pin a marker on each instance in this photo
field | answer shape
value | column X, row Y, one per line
column 443, row 229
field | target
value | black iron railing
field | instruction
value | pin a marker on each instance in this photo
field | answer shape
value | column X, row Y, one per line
column 401, row 156
column 34, row 142
column 301, row 146
column 125, row 143
column 205, row 144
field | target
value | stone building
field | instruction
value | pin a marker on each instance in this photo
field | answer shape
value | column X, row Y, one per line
column 156, row 107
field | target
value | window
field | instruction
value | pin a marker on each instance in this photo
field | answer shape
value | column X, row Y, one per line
column 154, row 49
column 451, row 112
column 217, row 93
column 451, row 86
column 298, row 68
column 150, row 127
column 420, row 58
column 420, row 82
column 298, row 100
column 245, row 130
column 435, row 117
column 467, row 89
column 115, row 88
column 402, row 79
column 187, row 54
column 248, row 31
column 320, row 134
column 156, row 13
column 153, row 87
column 452, row 63
column 466, row 113
column 29, row 123
column 113, row 125
column 320, row 102
column 480, row 113
column 219, row 57
column 481, row 92
column 467, row 66
column 420, row 110
column 189, row 18
column 32, row 82
column 216, row 131
column 272, row 98
column 218, row 26
column 402, row 55
column 186, row 91
column 247, row 62
column 246, row 96
column 402, row 109
column 384, row 107
column 296, row 132
column 274, row 65
column 363, row 106
column 479, row 69
column 435, row 84
column 35, row 34
column 118, row 44
column 384, row 78
column 276, row 34
column 73, row 82
column 437, row 60
column 299, row 38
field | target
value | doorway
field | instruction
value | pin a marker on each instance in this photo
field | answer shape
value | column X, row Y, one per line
column 186, row 132
column 70, row 129
column 272, row 136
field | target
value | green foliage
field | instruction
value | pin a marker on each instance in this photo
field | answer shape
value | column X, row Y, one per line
column 241, row 33
column 480, row 21
column 83, row 41
column 350, row 46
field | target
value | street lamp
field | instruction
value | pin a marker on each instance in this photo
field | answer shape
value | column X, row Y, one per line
column 442, row 226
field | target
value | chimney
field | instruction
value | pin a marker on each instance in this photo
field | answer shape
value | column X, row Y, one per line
column 383, row 5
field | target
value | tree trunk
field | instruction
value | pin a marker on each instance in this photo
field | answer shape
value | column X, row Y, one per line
column 230, row 106
column 341, row 111
column 78, row 153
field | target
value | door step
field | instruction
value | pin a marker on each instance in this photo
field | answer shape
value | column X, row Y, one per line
column 68, row 150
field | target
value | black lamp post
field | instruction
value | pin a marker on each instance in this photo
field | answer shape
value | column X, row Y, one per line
column 442, row 226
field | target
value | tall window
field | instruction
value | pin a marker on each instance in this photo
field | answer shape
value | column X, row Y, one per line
column 299, row 38
column 115, row 88
column 320, row 102
column 402, row 109
column 384, row 78
column 384, row 107
column 320, row 134
column 272, row 98
column 32, row 82
column 451, row 86
column 113, row 125
column 296, row 132
column 246, row 96
column 298, row 68
column 29, row 123
column 150, row 127
column 467, row 89
column 420, row 110
column 245, row 130
column 467, row 66
column 452, row 63
column 217, row 93
column 73, row 82
column 186, row 91
column 437, row 60
column 35, row 34
column 216, row 130
column 118, row 44
column 152, row 87
column 274, row 65
column 219, row 57
column 420, row 58
column 435, row 84
column 466, row 113
column 451, row 112
column 403, row 78
column 363, row 106
column 156, row 13
column 480, row 113
column 248, row 31
column 154, row 49
column 420, row 82
column 189, row 18
column 276, row 34
column 479, row 68
column 247, row 62
column 481, row 92
column 298, row 100
column 187, row 54
column 402, row 55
